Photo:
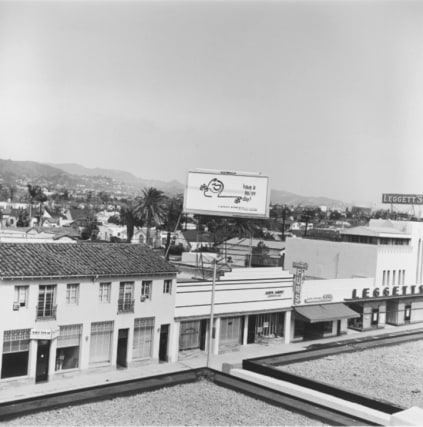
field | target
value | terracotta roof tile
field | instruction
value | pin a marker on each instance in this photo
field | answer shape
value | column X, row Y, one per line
column 18, row 260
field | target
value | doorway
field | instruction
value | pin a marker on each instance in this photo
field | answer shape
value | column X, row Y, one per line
column 43, row 353
column 164, row 335
column 122, row 349
column 251, row 334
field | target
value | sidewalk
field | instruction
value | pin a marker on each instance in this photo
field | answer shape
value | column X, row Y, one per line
column 20, row 389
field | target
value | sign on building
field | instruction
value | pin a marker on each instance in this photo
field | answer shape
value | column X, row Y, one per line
column 403, row 199
column 300, row 267
column 227, row 194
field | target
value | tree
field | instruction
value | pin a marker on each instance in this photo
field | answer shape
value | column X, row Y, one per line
column 174, row 208
column 128, row 218
column 35, row 194
column 151, row 208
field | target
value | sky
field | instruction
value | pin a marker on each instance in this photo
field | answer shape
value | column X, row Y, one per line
column 324, row 97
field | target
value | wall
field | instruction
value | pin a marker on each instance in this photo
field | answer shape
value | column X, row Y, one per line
column 243, row 291
column 89, row 309
column 332, row 260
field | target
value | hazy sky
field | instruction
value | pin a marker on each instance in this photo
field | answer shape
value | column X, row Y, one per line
column 325, row 97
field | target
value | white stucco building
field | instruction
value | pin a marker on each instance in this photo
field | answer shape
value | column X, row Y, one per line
column 79, row 306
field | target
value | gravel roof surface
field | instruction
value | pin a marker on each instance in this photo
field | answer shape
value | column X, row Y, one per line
column 390, row 373
column 202, row 403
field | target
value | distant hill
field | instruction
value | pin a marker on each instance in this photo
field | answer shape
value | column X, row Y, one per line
column 171, row 187
column 71, row 174
column 286, row 198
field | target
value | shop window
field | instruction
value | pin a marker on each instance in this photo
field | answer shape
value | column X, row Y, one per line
column 143, row 338
column 104, row 292
column 167, row 287
column 189, row 335
column 21, row 297
column 15, row 353
column 299, row 326
column 72, row 293
column 269, row 325
column 230, row 331
column 68, row 346
column 327, row 327
column 101, row 342
column 146, row 287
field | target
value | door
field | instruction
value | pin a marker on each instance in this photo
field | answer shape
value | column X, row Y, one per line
column 43, row 352
column 203, row 334
column 407, row 313
column 251, row 335
column 375, row 317
column 122, row 348
column 164, row 334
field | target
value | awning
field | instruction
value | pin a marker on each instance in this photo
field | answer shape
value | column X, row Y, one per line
column 325, row 312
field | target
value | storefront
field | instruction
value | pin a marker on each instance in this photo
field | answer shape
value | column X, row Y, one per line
column 250, row 305
column 394, row 305
column 321, row 320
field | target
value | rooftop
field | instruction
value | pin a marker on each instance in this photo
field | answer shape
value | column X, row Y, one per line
column 36, row 260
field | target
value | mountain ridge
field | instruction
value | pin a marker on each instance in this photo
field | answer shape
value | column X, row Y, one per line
column 66, row 173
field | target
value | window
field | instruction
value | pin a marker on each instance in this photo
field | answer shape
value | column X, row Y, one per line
column 143, row 338
column 384, row 278
column 101, row 342
column 393, row 277
column 46, row 307
column 403, row 277
column 388, row 277
column 167, row 287
column 126, row 297
column 15, row 353
column 146, row 289
column 72, row 293
column 104, row 292
column 21, row 296
column 68, row 343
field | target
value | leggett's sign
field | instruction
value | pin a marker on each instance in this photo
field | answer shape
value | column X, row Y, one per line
column 388, row 292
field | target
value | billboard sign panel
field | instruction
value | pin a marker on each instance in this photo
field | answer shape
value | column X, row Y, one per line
column 227, row 194
column 403, row 199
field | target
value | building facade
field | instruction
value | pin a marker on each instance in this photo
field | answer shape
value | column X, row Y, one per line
column 249, row 305
column 79, row 306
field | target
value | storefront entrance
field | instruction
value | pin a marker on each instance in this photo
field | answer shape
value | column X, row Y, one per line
column 122, row 348
column 192, row 335
column 265, row 326
column 43, row 352
column 164, row 335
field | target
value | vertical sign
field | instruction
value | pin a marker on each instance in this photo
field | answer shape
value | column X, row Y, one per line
column 300, row 267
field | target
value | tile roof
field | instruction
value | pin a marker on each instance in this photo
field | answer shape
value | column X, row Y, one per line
column 24, row 260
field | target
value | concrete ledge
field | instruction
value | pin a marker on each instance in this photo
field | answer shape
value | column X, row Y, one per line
column 409, row 417
column 316, row 397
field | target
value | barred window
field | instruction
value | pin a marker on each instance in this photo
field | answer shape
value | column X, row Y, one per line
column 16, row 340
column 104, row 292
column 143, row 338
column 69, row 336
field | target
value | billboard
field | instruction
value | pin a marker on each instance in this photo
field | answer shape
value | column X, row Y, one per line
column 227, row 194
column 403, row 199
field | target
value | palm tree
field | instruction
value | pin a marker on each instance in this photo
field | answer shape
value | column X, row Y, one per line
column 174, row 208
column 128, row 218
column 150, row 207
column 35, row 193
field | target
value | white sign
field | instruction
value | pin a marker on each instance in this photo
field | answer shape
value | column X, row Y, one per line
column 227, row 194
column 44, row 334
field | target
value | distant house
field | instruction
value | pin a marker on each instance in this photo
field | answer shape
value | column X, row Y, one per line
column 38, row 235
column 192, row 240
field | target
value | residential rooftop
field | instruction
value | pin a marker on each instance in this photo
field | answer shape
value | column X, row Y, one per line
column 42, row 260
